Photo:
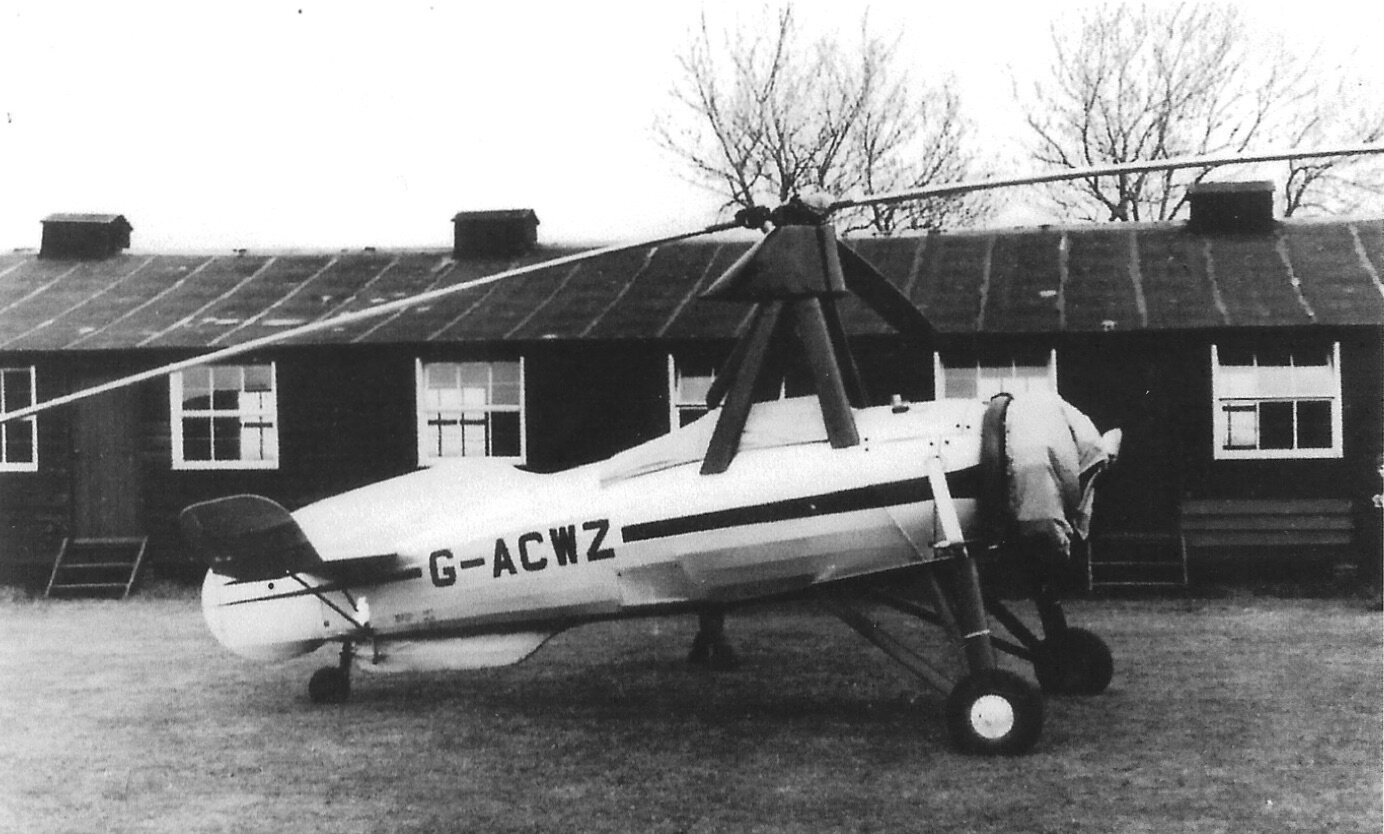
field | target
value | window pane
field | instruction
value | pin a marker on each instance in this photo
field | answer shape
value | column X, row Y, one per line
column 196, row 438
column 258, row 403
column 475, row 374
column 258, row 378
column 689, row 415
column 450, row 439
column 1314, row 381
column 196, row 389
column 15, row 390
column 959, row 383
column 1242, row 427
column 226, row 377
column 225, row 438
column 505, row 383
column 504, row 440
column 1314, row 424
column 990, row 374
column 19, row 441
column 475, row 397
column 694, row 389
column 441, row 375
column 473, row 435
column 1030, row 378
column 1275, row 381
column 252, row 442
column 226, row 398
column 1236, row 382
column 505, row 394
column 1276, row 425
column 447, row 399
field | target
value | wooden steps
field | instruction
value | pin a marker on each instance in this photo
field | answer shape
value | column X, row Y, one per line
column 106, row 567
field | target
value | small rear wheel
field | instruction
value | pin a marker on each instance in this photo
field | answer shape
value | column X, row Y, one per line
column 329, row 685
column 994, row 713
column 1074, row 662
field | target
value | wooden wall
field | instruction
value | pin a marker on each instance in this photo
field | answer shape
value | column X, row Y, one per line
column 346, row 419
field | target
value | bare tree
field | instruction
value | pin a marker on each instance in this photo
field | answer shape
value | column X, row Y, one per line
column 1350, row 111
column 762, row 114
column 1139, row 82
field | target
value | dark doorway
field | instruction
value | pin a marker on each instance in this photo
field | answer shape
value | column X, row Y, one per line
column 105, row 471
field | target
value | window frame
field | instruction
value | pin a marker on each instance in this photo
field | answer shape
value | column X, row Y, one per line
column 1220, row 426
column 19, row 466
column 176, row 413
column 677, row 406
column 426, row 460
column 939, row 373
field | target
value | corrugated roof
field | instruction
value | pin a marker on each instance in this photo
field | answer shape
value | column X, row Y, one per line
column 1080, row 279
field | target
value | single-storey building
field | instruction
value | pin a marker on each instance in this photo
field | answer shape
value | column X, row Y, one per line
column 1243, row 356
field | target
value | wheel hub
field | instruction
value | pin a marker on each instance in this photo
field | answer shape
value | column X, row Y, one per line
column 992, row 716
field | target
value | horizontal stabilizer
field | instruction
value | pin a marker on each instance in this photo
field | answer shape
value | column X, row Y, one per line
column 248, row 538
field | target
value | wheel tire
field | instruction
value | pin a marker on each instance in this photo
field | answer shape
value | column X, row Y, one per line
column 1074, row 662
column 994, row 713
column 723, row 658
column 329, row 685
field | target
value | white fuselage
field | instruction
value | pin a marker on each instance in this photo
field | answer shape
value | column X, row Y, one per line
column 494, row 560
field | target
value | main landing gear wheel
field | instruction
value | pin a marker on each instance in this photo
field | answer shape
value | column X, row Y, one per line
column 1074, row 662
column 994, row 713
column 710, row 647
column 329, row 685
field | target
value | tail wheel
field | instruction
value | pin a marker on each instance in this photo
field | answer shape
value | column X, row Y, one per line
column 994, row 713
column 1074, row 662
column 329, row 685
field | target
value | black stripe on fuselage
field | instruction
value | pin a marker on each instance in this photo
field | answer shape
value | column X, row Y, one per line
column 963, row 483
column 397, row 576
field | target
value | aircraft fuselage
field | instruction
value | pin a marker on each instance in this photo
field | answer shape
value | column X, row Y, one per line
column 492, row 560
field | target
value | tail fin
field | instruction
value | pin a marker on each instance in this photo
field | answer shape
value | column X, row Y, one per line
column 248, row 538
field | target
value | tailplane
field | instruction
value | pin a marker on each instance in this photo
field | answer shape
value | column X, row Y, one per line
column 247, row 538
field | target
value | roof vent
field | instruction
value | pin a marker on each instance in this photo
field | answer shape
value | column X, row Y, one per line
column 1231, row 207
column 84, row 235
column 504, row 232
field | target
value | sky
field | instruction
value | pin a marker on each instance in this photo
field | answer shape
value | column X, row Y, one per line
column 215, row 126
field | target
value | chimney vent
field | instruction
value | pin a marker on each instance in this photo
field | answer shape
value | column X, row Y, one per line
column 1231, row 207
column 504, row 232
column 87, row 236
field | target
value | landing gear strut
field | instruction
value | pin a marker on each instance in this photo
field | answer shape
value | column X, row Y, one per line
column 710, row 647
column 1066, row 660
column 989, row 711
column 332, row 684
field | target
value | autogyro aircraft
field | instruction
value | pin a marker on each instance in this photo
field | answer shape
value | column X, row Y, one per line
column 477, row 564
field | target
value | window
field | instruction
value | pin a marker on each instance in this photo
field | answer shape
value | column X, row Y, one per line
column 688, row 384
column 18, row 438
column 982, row 377
column 470, row 409
column 225, row 417
column 1280, row 402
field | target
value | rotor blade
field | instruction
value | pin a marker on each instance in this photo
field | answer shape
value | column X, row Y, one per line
column 1174, row 163
column 883, row 297
column 348, row 318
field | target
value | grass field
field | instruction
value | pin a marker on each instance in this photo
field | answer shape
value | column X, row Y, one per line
column 1226, row 715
